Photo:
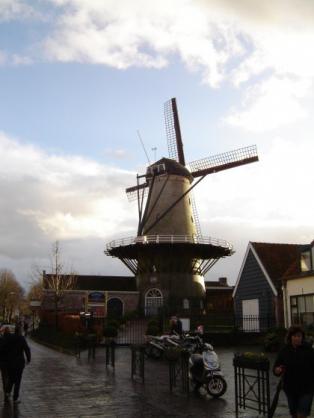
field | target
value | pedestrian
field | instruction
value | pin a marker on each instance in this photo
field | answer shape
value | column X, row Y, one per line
column 25, row 327
column 16, row 349
column 295, row 365
column 3, row 362
column 175, row 325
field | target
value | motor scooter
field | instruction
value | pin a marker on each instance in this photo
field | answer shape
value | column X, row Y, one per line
column 156, row 346
column 204, row 370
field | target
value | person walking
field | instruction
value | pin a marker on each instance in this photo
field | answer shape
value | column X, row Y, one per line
column 295, row 365
column 25, row 327
column 175, row 325
column 16, row 348
column 3, row 362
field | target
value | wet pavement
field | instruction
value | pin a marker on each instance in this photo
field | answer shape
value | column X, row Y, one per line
column 57, row 385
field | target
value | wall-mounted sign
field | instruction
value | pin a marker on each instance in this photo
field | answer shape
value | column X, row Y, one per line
column 96, row 297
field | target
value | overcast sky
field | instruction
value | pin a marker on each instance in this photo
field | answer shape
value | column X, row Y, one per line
column 78, row 78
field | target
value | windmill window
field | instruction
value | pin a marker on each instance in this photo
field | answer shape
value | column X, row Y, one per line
column 153, row 301
column 157, row 169
column 189, row 201
column 192, row 219
column 186, row 304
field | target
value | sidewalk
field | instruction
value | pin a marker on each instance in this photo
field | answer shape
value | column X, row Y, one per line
column 57, row 385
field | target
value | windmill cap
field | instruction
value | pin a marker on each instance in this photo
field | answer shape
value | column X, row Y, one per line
column 166, row 165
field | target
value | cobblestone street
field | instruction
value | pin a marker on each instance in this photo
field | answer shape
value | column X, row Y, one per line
column 59, row 385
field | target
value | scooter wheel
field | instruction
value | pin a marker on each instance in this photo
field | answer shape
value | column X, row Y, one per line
column 216, row 386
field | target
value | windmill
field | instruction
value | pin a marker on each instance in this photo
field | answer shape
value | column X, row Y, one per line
column 169, row 256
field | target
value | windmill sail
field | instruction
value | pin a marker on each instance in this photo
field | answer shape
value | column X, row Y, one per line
column 134, row 192
column 173, row 132
column 224, row 161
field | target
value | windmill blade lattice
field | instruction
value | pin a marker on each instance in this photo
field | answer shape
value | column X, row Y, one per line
column 135, row 192
column 170, row 132
column 224, row 161
column 173, row 131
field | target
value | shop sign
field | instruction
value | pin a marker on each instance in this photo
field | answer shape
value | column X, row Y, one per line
column 96, row 297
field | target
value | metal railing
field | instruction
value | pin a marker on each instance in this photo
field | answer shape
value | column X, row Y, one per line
column 251, row 380
column 255, row 323
column 168, row 239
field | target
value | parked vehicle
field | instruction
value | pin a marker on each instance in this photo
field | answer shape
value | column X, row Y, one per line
column 204, row 370
column 156, row 346
column 192, row 343
column 10, row 326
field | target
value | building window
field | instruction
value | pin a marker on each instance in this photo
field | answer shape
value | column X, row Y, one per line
column 186, row 304
column 153, row 302
column 306, row 261
column 302, row 309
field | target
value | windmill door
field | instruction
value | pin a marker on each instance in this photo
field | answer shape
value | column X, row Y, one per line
column 153, row 302
column 250, row 315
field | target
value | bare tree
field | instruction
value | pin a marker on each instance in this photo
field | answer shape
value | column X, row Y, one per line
column 58, row 282
column 11, row 294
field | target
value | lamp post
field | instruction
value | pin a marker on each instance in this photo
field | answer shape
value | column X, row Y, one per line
column 34, row 305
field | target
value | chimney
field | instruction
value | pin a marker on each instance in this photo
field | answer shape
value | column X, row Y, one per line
column 223, row 281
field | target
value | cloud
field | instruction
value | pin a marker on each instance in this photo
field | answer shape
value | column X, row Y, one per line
column 268, row 201
column 271, row 104
column 118, row 154
column 47, row 197
column 272, row 193
column 222, row 40
column 16, row 9
column 142, row 34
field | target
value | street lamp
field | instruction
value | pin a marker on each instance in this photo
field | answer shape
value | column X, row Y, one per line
column 34, row 305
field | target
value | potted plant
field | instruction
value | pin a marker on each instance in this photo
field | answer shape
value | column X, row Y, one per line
column 249, row 360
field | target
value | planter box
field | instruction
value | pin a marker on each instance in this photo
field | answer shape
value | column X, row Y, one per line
column 255, row 363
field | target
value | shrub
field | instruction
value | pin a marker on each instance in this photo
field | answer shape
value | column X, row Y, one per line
column 50, row 335
column 110, row 331
column 152, row 330
column 249, row 360
column 128, row 316
column 309, row 333
column 113, row 323
column 274, row 339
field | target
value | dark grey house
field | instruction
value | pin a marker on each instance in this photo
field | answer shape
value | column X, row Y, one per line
column 258, row 301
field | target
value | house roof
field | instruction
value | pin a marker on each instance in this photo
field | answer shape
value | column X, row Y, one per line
column 275, row 260
column 278, row 259
column 216, row 284
column 109, row 283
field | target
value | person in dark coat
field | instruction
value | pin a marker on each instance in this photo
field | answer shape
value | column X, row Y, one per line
column 3, row 362
column 16, row 348
column 295, row 364
column 25, row 326
column 175, row 325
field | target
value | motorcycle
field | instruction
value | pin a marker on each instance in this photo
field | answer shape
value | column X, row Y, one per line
column 156, row 346
column 204, row 370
